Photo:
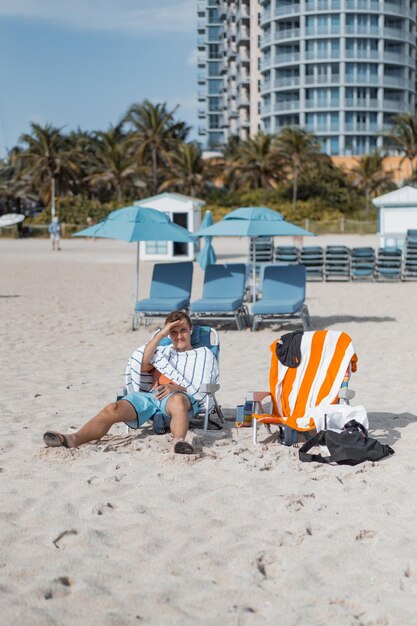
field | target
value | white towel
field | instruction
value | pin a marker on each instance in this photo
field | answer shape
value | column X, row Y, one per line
column 189, row 369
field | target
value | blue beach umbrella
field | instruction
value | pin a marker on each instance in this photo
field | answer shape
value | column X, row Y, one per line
column 206, row 256
column 134, row 223
column 253, row 222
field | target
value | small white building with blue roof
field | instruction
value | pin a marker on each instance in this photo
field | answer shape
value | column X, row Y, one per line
column 182, row 210
column 397, row 214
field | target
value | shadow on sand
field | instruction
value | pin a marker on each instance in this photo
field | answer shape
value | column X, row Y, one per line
column 331, row 320
column 386, row 427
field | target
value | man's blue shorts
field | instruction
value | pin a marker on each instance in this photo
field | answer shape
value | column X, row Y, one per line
column 146, row 404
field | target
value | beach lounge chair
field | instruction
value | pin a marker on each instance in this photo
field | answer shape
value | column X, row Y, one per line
column 327, row 360
column 362, row 263
column 283, row 295
column 337, row 263
column 223, row 291
column 388, row 264
column 170, row 291
column 410, row 256
column 201, row 336
column 313, row 259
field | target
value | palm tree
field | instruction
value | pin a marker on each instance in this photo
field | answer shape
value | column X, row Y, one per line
column 369, row 176
column 112, row 163
column 186, row 170
column 404, row 137
column 155, row 134
column 255, row 164
column 47, row 158
column 297, row 148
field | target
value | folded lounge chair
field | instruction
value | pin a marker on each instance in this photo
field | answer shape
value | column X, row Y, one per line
column 223, row 291
column 170, row 291
column 327, row 360
column 201, row 336
column 283, row 295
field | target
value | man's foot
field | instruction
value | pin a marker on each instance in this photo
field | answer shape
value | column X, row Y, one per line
column 55, row 440
column 182, row 447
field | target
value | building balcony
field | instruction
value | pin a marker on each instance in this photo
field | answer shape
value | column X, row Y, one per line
column 321, row 128
column 289, row 9
column 321, row 5
column 363, row 80
column 367, row 31
column 242, row 35
column 322, row 55
column 265, row 39
column 362, row 5
column 362, row 55
column 201, row 7
column 289, row 105
column 322, row 106
column 398, row 8
column 401, row 35
column 288, row 33
column 357, row 127
column 287, row 81
column 362, row 105
column 320, row 31
column 393, row 105
column 322, row 80
column 286, row 59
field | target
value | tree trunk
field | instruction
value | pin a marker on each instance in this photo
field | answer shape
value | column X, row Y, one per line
column 367, row 204
column 154, row 171
column 411, row 159
column 294, row 188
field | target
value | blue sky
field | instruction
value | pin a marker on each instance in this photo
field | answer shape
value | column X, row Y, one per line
column 81, row 63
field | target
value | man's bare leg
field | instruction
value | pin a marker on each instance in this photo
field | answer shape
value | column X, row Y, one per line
column 177, row 407
column 98, row 426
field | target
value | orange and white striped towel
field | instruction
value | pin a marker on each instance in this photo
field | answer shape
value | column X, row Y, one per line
column 325, row 357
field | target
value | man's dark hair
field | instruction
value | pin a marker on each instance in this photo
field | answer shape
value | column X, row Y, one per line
column 177, row 316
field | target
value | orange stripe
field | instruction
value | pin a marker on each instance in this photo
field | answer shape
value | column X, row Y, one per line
column 273, row 377
column 334, row 367
column 310, row 373
column 286, row 388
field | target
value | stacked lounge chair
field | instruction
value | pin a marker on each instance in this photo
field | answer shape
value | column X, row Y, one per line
column 388, row 264
column 287, row 255
column 312, row 257
column 261, row 249
column 410, row 256
column 337, row 263
column 362, row 263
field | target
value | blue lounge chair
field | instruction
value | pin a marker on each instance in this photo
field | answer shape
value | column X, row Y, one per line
column 201, row 336
column 283, row 295
column 170, row 291
column 223, row 291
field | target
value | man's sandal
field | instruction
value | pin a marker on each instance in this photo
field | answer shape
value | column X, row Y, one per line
column 183, row 447
column 55, row 440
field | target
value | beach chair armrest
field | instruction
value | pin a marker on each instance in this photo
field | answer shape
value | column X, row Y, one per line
column 121, row 392
column 209, row 388
column 346, row 394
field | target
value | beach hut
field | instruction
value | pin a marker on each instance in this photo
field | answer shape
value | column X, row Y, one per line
column 397, row 214
column 182, row 210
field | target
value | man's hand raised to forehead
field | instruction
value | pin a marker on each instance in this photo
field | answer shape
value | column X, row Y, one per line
column 168, row 327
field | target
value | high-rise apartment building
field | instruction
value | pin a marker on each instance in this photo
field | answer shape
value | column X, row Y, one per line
column 339, row 68
column 229, row 69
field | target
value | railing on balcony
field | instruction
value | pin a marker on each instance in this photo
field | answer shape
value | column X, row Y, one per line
column 322, row 30
column 322, row 5
column 322, row 55
column 289, row 33
column 310, row 80
column 288, row 105
column 358, row 127
column 399, row 9
column 284, row 59
column 362, row 55
column 362, row 5
column 287, row 81
column 359, row 29
column 287, row 9
column 362, row 80
column 354, row 103
column 394, row 105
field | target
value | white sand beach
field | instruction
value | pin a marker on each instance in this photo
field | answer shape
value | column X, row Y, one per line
column 123, row 532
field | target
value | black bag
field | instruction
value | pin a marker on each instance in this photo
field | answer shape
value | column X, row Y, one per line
column 347, row 447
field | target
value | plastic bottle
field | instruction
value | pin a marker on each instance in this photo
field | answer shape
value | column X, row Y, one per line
column 248, row 410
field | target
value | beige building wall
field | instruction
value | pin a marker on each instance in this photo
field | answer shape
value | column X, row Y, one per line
column 398, row 166
column 255, row 75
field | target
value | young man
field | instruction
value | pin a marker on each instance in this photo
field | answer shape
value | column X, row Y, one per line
column 172, row 374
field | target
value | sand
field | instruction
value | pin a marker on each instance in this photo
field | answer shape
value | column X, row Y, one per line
column 123, row 532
